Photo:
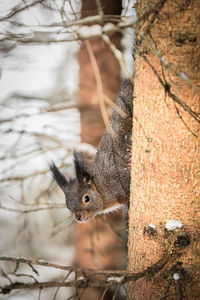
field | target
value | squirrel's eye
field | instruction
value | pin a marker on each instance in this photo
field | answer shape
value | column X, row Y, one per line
column 86, row 199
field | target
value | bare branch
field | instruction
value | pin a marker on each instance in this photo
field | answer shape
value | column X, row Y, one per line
column 89, row 277
column 26, row 211
column 83, row 33
column 104, row 292
column 64, row 279
column 18, row 9
column 118, row 55
column 100, row 10
column 36, row 262
column 116, row 291
column 99, row 83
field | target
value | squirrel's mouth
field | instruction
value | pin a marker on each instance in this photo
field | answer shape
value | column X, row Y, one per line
column 82, row 221
column 78, row 217
column 81, row 218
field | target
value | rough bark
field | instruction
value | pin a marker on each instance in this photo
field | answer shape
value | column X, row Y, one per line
column 166, row 150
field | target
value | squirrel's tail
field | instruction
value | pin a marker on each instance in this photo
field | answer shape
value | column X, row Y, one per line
column 125, row 98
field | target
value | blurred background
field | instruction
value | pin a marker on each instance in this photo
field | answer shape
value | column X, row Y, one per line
column 49, row 107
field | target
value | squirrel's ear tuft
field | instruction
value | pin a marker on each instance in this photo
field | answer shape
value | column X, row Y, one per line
column 58, row 177
column 82, row 174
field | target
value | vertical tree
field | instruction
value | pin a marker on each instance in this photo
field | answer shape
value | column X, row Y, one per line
column 96, row 235
column 92, row 125
column 166, row 152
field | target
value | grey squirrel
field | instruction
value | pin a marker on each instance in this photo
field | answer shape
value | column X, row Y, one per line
column 103, row 185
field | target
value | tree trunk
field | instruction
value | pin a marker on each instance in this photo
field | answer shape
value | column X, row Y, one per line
column 166, row 152
column 92, row 125
column 96, row 245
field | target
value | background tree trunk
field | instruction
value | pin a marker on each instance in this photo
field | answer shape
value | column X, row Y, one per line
column 92, row 125
column 96, row 245
column 166, row 151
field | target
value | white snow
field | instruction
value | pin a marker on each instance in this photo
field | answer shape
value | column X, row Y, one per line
column 88, row 31
column 117, row 279
column 152, row 226
column 173, row 224
column 176, row 276
column 80, row 278
column 108, row 27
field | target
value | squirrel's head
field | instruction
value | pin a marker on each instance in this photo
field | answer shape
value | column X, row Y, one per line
column 82, row 197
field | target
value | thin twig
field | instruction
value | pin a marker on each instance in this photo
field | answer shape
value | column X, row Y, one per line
column 65, row 278
column 39, row 294
column 26, row 211
column 172, row 95
column 5, row 275
column 114, row 106
column 164, row 63
column 104, row 292
column 99, row 9
column 118, row 55
column 116, row 291
column 18, row 9
column 24, row 275
column 97, row 75
column 36, row 262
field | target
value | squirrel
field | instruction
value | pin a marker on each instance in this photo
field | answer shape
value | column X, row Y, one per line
column 102, row 186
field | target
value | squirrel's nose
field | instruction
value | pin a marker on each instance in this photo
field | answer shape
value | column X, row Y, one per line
column 78, row 217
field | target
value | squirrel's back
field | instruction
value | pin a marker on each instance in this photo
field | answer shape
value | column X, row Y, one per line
column 110, row 168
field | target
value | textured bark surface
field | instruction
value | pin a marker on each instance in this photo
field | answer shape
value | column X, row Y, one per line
column 166, row 152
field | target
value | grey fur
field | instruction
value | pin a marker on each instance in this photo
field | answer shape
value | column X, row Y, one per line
column 105, row 181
